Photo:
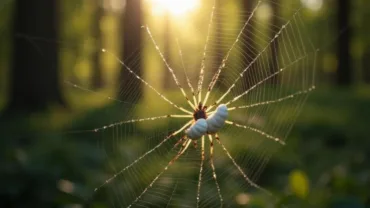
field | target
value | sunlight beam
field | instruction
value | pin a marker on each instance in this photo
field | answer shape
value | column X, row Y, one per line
column 174, row 7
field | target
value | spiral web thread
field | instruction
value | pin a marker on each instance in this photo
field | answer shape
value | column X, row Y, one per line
column 264, row 95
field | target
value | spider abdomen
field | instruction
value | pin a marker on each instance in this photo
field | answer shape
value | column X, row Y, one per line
column 198, row 129
column 217, row 120
column 210, row 125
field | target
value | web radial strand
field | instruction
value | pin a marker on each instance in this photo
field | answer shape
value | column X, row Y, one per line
column 265, row 80
column 283, row 27
column 277, row 100
column 169, row 67
column 214, row 175
column 138, row 120
column 147, row 84
column 203, row 66
column 256, row 130
column 143, row 156
column 200, row 171
column 225, row 59
column 94, row 92
column 186, row 74
column 248, row 180
column 181, row 151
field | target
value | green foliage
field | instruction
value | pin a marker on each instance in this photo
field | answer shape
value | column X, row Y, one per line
column 44, row 169
column 323, row 165
column 330, row 143
column 299, row 184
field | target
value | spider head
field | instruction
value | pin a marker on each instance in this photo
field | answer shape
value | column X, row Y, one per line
column 200, row 112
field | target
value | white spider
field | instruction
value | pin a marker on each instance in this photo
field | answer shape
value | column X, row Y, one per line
column 207, row 125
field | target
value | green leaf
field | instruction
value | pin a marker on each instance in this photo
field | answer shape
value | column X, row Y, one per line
column 299, row 183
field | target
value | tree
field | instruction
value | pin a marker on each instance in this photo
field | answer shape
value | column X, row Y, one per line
column 34, row 75
column 344, row 74
column 131, row 49
column 366, row 44
column 97, row 79
column 365, row 66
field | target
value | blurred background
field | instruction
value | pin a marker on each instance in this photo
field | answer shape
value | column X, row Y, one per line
column 55, row 81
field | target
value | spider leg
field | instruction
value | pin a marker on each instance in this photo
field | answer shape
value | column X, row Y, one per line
column 144, row 155
column 184, row 147
column 247, row 179
column 214, row 170
column 195, row 143
column 257, row 131
column 180, row 140
column 200, row 172
column 169, row 68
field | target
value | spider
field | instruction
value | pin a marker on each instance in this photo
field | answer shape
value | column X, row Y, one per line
column 203, row 125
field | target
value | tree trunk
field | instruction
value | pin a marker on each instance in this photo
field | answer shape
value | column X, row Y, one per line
column 131, row 51
column 34, row 74
column 97, row 79
column 344, row 75
column 366, row 66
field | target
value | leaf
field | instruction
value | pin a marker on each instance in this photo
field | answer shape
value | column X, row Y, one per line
column 299, row 183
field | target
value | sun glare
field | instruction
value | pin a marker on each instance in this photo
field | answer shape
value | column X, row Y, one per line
column 174, row 7
column 314, row 5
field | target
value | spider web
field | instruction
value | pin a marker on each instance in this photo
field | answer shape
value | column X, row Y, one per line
column 264, row 72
